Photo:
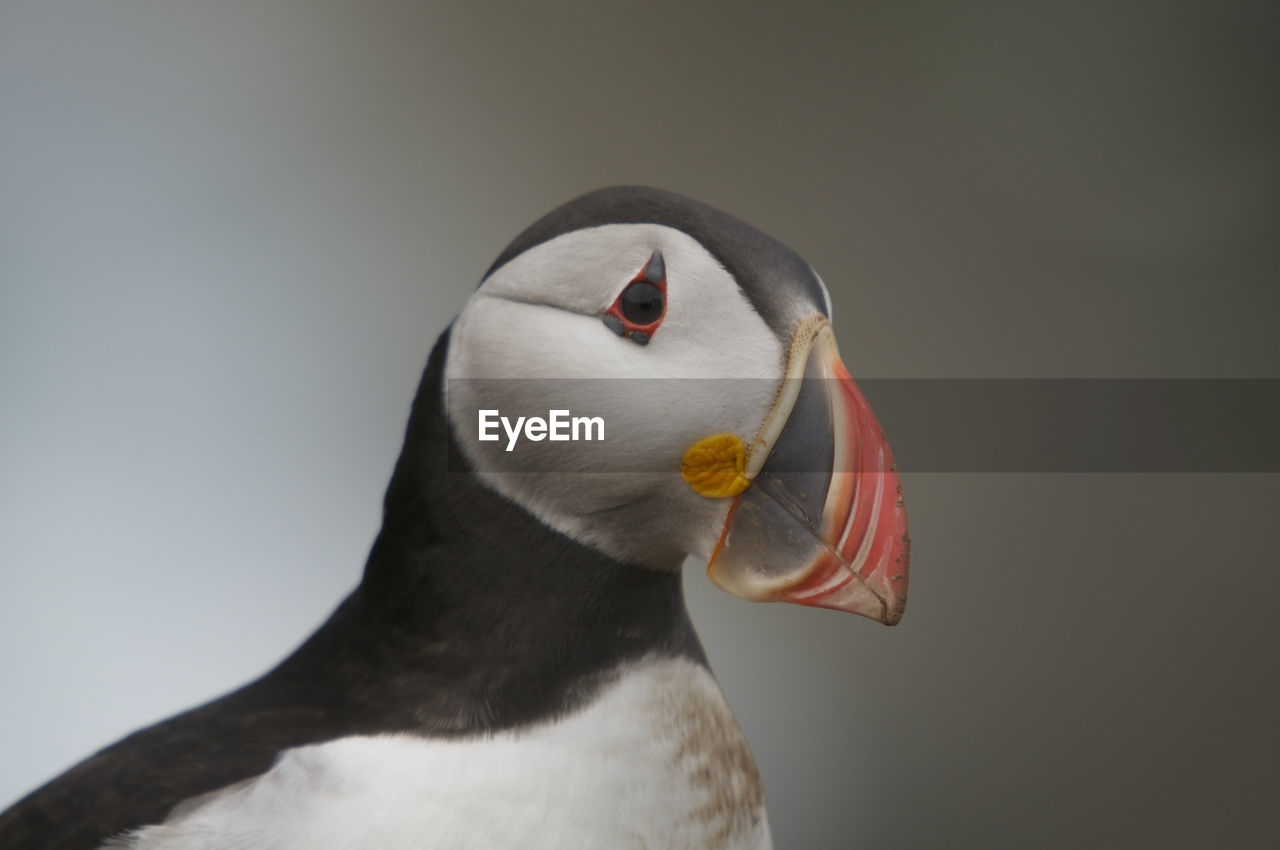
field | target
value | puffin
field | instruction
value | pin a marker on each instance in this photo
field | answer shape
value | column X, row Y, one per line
column 638, row 378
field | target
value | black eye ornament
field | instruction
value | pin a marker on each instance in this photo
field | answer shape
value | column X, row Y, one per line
column 638, row 310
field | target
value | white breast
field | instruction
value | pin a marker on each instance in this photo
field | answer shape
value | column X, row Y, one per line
column 658, row 761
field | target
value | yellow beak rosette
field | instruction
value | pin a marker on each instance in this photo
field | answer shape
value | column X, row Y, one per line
column 716, row 466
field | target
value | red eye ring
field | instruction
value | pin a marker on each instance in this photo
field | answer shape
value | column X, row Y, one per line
column 633, row 312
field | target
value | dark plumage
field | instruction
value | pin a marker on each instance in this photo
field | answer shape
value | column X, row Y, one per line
column 428, row 643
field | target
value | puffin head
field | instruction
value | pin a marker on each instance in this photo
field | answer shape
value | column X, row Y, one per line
column 655, row 379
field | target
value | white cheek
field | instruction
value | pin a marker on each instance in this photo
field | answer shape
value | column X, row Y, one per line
column 540, row 315
column 711, row 367
column 495, row 338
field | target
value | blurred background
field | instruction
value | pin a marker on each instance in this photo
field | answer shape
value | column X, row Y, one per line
column 231, row 232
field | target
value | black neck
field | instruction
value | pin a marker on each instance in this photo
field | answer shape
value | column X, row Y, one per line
column 473, row 614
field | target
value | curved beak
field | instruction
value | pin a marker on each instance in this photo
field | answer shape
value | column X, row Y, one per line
column 823, row 521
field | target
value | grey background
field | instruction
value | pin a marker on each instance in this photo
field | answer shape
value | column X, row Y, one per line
column 229, row 234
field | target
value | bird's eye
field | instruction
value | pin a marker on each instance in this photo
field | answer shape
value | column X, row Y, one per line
column 638, row 311
column 642, row 303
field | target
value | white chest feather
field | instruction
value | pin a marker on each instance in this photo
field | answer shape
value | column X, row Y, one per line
column 658, row 761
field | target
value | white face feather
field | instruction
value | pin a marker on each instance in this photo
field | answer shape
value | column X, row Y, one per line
column 538, row 318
